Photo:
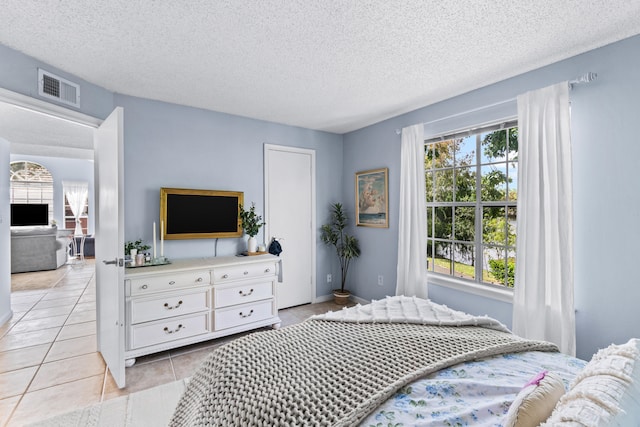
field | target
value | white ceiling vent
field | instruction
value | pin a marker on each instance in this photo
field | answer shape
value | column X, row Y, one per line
column 55, row 87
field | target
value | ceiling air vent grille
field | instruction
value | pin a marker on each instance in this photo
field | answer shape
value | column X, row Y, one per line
column 54, row 87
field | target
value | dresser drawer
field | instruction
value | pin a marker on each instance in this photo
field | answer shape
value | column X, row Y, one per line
column 242, row 314
column 169, row 304
column 151, row 333
column 234, row 294
column 148, row 285
column 247, row 271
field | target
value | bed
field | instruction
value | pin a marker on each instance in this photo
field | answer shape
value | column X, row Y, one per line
column 405, row 361
column 395, row 362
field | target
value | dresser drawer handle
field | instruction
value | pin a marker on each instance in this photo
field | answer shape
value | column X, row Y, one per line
column 267, row 270
column 246, row 315
column 199, row 279
column 172, row 282
column 246, row 272
column 168, row 331
column 242, row 294
column 169, row 307
column 144, row 286
column 225, row 276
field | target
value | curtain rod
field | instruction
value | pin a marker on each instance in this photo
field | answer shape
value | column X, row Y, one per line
column 585, row 78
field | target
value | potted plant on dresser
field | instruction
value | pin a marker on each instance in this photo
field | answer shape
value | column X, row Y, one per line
column 251, row 224
column 135, row 248
column 347, row 248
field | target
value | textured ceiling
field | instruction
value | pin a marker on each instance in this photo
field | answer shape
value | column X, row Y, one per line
column 328, row 65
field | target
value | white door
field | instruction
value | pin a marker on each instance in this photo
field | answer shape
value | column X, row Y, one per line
column 109, row 243
column 290, row 216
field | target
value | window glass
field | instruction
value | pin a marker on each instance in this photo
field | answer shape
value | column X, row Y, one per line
column 465, row 151
column 472, row 191
column 31, row 183
column 465, row 184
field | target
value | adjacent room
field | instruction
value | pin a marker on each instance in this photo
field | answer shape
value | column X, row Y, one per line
column 321, row 212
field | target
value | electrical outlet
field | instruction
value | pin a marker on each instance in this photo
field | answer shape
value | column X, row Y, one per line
column 329, row 278
column 380, row 280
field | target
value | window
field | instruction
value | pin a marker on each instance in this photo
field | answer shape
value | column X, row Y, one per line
column 472, row 188
column 31, row 183
column 69, row 217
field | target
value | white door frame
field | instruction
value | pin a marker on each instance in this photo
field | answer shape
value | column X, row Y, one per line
column 48, row 109
column 42, row 107
column 267, row 234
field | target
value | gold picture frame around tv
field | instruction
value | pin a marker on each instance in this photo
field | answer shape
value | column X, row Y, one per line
column 200, row 214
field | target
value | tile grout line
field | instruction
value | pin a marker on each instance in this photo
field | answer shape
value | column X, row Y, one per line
column 104, row 382
column 15, row 407
column 24, row 314
column 173, row 370
column 105, row 374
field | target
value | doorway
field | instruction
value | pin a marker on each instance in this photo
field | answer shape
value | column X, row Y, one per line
column 55, row 310
column 289, row 180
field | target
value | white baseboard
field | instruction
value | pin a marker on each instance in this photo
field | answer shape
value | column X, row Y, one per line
column 6, row 317
column 325, row 298
column 360, row 300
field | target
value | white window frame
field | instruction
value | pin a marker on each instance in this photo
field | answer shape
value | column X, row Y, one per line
column 474, row 286
column 39, row 190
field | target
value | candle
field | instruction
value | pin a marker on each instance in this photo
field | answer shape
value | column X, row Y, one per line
column 154, row 240
column 161, row 239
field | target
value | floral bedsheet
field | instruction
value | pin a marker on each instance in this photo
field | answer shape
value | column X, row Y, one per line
column 475, row 393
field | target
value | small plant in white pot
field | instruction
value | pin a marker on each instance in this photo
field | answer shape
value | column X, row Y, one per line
column 347, row 247
column 133, row 248
column 251, row 224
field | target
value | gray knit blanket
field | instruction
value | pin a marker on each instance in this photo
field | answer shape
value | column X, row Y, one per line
column 334, row 370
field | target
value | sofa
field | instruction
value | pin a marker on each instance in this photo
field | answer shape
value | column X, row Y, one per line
column 89, row 246
column 38, row 248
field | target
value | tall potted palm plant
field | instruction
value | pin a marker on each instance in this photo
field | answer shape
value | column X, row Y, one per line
column 346, row 246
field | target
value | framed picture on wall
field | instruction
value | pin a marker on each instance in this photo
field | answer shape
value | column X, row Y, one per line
column 372, row 203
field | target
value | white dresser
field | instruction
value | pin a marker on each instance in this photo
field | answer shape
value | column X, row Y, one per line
column 193, row 300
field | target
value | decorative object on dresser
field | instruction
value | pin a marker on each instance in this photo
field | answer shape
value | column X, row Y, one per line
column 133, row 249
column 251, row 224
column 194, row 300
column 347, row 248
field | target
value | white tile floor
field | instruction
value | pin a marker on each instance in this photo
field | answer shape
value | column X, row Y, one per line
column 48, row 359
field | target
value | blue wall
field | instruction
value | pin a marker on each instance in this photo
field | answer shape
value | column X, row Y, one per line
column 19, row 73
column 170, row 145
column 175, row 146
column 167, row 145
column 606, row 154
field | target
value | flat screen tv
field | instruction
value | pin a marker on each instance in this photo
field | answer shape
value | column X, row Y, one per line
column 200, row 214
column 29, row 214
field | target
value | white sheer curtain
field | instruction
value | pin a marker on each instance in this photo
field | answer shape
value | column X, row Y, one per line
column 76, row 193
column 412, row 229
column 543, row 296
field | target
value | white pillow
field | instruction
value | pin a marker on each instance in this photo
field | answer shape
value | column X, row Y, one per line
column 535, row 402
column 606, row 392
